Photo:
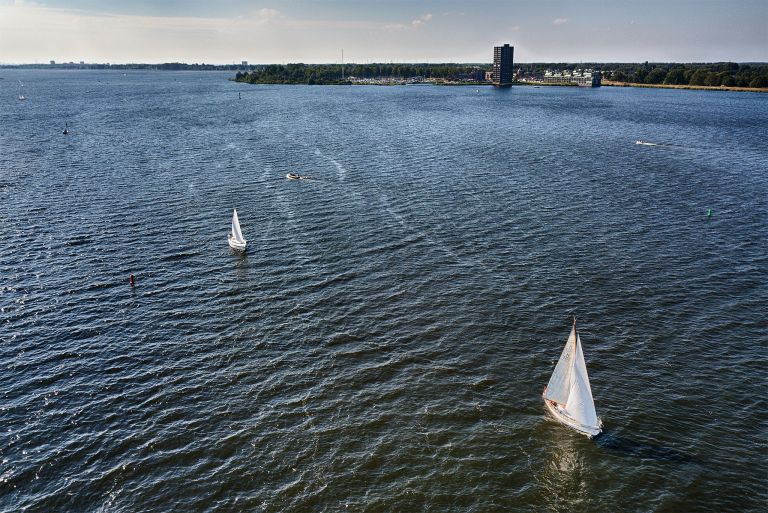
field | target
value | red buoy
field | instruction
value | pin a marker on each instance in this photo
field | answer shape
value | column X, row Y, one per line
column 131, row 280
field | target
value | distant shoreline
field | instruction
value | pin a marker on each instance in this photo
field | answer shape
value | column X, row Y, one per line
column 611, row 83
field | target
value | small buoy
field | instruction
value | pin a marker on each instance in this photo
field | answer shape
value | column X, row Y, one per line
column 709, row 212
column 131, row 280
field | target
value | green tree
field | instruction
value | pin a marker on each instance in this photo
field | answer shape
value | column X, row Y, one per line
column 656, row 76
column 726, row 79
column 713, row 79
column 698, row 77
column 675, row 76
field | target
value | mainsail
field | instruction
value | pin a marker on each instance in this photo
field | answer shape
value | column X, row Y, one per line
column 236, row 233
column 580, row 404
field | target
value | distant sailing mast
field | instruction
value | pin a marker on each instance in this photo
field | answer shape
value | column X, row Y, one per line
column 342, row 64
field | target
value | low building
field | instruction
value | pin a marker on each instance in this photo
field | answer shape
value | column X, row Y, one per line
column 579, row 77
column 477, row 75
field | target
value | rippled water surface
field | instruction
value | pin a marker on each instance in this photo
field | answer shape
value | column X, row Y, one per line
column 384, row 343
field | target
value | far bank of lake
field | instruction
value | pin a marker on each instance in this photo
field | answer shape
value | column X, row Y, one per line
column 611, row 83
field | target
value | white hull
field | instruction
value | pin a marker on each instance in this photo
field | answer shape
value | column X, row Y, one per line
column 562, row 416
column 237, row 246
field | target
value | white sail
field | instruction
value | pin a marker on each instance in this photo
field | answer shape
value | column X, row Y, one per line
column 559, row 387
column 237, row 235
column 580, row 404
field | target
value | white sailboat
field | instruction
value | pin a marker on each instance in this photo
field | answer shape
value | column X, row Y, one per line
column 235, row 237
column 568, row 395
column 21, row 92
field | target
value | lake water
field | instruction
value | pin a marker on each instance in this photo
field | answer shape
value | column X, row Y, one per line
column 384, row 344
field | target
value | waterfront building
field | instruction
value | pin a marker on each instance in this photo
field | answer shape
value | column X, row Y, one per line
column 477, row 74
column 579, row 77
column 503, row 60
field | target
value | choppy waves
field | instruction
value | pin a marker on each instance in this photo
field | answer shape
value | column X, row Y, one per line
column 383, row 344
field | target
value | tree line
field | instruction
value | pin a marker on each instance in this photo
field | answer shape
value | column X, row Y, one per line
column 707, row 74
column 332, row 73
column 717, row 74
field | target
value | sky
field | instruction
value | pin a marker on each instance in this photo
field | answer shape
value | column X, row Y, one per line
column 316, row 31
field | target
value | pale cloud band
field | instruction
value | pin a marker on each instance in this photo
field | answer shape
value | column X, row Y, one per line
column 415, row 24
column 228, row 31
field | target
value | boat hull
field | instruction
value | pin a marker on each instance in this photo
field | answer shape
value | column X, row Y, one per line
column 237, row 246
column 561, row 416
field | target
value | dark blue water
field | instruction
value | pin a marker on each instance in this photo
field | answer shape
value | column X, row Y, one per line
column 384, row 343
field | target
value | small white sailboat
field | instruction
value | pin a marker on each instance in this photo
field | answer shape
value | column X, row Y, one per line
column 235, row 237
column 21, row 92
column 568, row 395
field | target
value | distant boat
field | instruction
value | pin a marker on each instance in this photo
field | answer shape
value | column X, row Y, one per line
column 66, row 130
column 21, row 92
column 568, row 395
column 235, row 237
column 294, row 176
column 645, row 143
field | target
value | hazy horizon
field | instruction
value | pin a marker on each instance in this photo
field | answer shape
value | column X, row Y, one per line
column 398, row 31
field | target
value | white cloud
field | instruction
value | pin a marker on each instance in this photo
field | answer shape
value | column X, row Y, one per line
column 265, row 14
column 560, row 21
column 421, row 21
column 415, row 24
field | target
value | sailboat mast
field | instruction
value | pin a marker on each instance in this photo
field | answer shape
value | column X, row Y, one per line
column 575, row 335
column 342, row 64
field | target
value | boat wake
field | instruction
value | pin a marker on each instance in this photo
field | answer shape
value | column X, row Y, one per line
column 340, row 170
column 661, row 145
